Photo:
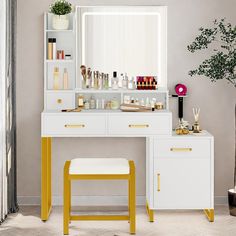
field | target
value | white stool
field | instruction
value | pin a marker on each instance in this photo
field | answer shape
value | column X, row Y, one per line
column 99, row 169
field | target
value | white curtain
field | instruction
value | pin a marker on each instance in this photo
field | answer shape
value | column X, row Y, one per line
column 3, row 75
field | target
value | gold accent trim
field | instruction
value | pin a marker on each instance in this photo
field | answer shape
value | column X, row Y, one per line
column 150, row 213
column 209, row 214
column 181, row 149
column 67, row 198
column 138, row 126
column 46, row 188
column 74, row 126
column 99, row 217
column 158, row 182
column 59, row 101
column 98, row 177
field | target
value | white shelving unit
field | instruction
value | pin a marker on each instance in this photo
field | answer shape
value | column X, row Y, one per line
column 69, row 41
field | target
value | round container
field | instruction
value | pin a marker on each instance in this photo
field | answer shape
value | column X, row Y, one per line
column 114, row 104
column 60, row 22
column 232, row 202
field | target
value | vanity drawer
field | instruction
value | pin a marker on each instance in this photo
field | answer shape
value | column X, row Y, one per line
column 139, row 124
column 73, row 125
column 60, row 101
column 181, row 147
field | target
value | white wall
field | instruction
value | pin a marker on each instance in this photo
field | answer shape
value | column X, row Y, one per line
column 215, row 100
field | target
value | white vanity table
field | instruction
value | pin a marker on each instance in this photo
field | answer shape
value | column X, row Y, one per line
column 179, row 169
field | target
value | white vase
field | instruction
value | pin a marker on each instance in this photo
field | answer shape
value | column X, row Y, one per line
column 60, row 22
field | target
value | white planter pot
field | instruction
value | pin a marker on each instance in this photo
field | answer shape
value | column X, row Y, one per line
column 60, row 22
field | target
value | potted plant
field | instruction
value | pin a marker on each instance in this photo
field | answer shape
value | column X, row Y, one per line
column 60, row 10
column 221, row 65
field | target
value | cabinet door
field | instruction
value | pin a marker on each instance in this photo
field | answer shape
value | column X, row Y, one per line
column 182, row 183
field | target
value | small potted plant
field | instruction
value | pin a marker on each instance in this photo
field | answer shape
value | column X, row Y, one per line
column 60, row 10
column 221, row 65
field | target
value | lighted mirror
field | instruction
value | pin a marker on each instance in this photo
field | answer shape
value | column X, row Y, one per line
column 128, row 40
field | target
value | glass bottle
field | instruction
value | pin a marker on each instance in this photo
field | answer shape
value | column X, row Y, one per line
column 125, row 81
column 56, row 78
column 115, row 81
column 92, row 103
column 120, row 80
column 65, row 79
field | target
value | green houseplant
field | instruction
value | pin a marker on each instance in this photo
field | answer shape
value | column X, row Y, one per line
column 221, row 41
column 60, row 10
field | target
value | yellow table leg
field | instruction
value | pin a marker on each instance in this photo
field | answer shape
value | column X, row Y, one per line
column 150, row 213
column 66, row 199
column 46, row 190
column 209, row 214
column 132, row 199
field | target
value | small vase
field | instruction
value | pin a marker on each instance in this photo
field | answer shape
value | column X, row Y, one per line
column 232, row 202
column 60, row 22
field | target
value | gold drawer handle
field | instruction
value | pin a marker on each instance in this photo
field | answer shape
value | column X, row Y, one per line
column 75, row 126
column 158, row 182
column 139, row 126
column 181, row 149
column 59, row 101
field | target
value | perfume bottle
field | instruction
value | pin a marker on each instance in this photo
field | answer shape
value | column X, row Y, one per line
column 115, row 81
column 106, row 83
column 120, row 80
column 130, row 83
column 56, row 78
column 125, row 81
column 65, row 79
column 95, row 76
column 92, row 103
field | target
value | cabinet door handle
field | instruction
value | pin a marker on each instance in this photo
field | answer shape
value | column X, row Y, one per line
column 158, row 182
column 181, row 149
column 138, row 126
column 75, row 126
column 59, row 101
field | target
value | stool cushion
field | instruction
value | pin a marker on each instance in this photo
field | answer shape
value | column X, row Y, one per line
column 96, row 166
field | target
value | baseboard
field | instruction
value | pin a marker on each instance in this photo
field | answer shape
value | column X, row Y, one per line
column 98, row 200
column 83, row 200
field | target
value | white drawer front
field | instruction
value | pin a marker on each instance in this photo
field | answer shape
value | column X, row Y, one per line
column 179, row 147
column 73, row 125
column 60, row 101
column 139, row 125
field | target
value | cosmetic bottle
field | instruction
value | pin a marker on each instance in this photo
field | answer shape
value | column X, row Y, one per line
column 97, row 104
column 114, row 104
column 100, row 80
column 65, row 79
column 103, row 104
column 130, row 83
column 92, row 103
column 115, row 81
column 106, row 82
column 95, row 76
column 80, row 100
column 125, row 81
column 86, row 104
column 50, row 48
column 120, row 80
column 147, row 104
column 56, row 78
column 54, row 48
column 153, row 105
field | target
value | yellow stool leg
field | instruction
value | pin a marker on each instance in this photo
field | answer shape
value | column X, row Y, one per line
column 150, row 213
column 132, row 199
column 209, row 214
column 66, row 198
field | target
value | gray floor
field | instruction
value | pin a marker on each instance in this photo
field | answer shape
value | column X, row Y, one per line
column 167, row 223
